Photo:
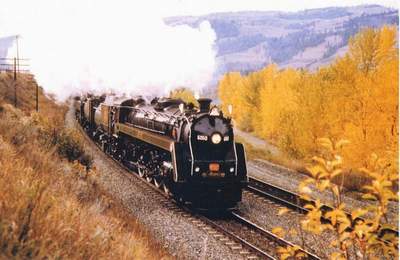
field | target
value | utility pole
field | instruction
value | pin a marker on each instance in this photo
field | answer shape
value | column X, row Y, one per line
column 15, row 82
column 15, row 69
column 16, row 41
column 37, row 97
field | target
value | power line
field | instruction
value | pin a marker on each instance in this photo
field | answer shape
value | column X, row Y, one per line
column 13, row 65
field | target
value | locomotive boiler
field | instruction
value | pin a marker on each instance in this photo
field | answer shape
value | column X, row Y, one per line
column 190, row 152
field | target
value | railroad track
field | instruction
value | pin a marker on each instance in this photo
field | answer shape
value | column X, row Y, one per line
column 258, row 236
column 241, row 235
column 294, row 201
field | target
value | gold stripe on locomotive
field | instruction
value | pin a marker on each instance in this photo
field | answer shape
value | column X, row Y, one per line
column 154, row 139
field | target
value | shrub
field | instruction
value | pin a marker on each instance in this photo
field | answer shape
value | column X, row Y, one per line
column 69, row 145
column 86, row 160
column 352, row 180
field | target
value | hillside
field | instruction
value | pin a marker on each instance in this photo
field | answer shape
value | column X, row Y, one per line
column 51, row 206
column 26, row 92
column 248, row 41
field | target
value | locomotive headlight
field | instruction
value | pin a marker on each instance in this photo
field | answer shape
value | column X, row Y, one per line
column 231, row 169
column 216, row 138
column 197, row 169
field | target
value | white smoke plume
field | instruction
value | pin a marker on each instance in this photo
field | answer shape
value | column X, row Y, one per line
column 122, row 46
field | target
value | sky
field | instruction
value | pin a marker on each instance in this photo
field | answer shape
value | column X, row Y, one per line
column 124, row 46
column 200, row 7
column 165, row 8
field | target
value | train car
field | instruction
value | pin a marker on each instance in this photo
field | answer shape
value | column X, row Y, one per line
column 88, row 109
column 190, row 152
column 76, row 103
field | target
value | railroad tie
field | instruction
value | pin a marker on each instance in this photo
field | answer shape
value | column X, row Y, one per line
column 244, row 252
column 236, row 247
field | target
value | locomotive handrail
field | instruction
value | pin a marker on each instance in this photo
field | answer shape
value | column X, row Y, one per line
column 174, row 115
column 154, row 113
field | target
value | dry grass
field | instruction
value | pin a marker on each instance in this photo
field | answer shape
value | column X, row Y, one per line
column 52, row 208
column 253, row 153
column 26, row 95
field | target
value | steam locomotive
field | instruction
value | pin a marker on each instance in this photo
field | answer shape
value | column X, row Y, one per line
column 187, row 151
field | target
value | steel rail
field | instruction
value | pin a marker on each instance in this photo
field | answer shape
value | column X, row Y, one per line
column 294, row 201
column 237, row 238
column 270, row 235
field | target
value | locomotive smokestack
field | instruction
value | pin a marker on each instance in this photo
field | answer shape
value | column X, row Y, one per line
column 204, row 104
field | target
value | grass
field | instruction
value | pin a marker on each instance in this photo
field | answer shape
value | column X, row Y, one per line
column 254, row 153
column 26, row 95
column 50, row 203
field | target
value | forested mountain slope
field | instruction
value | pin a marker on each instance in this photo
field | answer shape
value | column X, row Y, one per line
column 248, row 41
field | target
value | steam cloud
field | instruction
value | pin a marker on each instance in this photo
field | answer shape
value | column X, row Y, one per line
column 76, row 46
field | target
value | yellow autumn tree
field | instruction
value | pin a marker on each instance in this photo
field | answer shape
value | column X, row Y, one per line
column 278, row 107
column 232, row 91
column 185, row 94
column 356, row 98
column 374, row 83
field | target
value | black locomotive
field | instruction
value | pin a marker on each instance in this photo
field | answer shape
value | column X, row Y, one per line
column 190, row 152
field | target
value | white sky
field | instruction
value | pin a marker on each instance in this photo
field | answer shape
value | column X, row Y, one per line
column 198, row 7
column 17, row 9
